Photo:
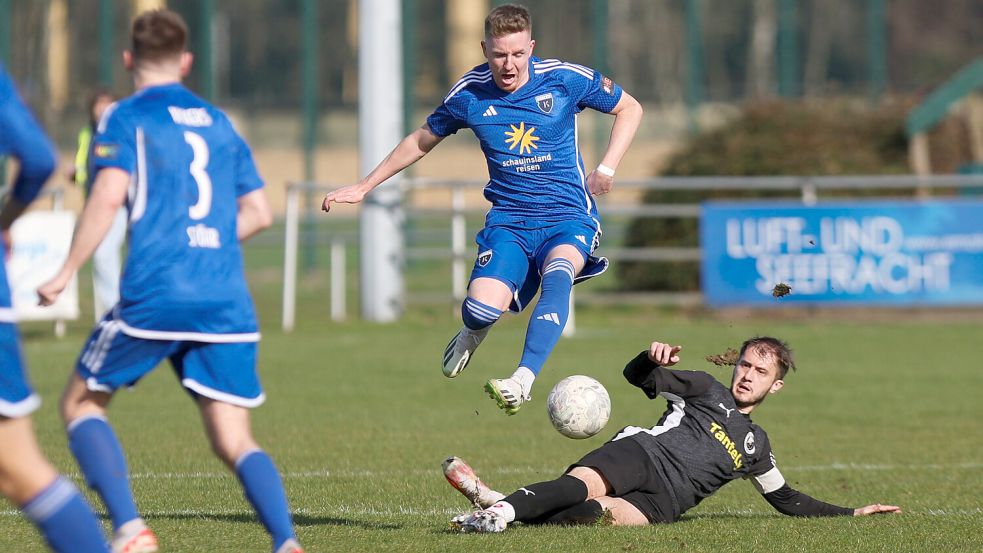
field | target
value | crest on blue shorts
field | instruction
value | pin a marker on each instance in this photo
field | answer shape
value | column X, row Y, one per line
column 545, row 102
column 484, row 257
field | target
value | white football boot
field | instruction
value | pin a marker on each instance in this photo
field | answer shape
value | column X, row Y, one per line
column 290, row 546
column 480, row 522
column 507, row 393
column 134, row 537
column 463, row 479
column 458, row 353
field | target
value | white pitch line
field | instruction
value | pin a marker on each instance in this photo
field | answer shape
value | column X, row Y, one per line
column 865, row 466
column 415, row 472
column 357, row 510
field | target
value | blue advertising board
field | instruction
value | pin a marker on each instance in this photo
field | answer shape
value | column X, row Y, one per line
column 881, row 252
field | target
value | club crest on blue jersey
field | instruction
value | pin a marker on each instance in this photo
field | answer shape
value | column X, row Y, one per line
column 484, row 257
column 545, row 102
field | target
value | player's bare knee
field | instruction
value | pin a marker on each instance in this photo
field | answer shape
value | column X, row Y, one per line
column 568, row 252
column 78, row 401
column 230, row 442
column 597, row 485
column 490, row 291
column 231, row 449
column 621, row 512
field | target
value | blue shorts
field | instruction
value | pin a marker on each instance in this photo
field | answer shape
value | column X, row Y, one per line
column 221, row 371
column 514, row 253
column 17, row 399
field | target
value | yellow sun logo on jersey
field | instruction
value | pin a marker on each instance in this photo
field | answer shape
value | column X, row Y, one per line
column 522, row 138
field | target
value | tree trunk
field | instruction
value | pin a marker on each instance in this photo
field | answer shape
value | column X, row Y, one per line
column 761, row 51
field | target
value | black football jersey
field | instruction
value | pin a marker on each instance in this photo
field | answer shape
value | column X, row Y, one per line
column 702, row 441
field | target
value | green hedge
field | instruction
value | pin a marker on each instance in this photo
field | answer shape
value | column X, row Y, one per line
column 778, row 138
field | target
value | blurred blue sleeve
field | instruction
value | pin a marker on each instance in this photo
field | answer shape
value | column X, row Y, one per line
column 22, row 138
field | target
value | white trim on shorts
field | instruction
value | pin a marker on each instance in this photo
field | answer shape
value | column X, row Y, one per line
column 20, row 408
column 8, row 315
column 224, row 397
column 181, row 336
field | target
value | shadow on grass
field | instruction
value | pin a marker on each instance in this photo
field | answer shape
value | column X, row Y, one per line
column 299, row 520
column 729, row 515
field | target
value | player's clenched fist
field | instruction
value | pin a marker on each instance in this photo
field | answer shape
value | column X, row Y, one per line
column 346, row 195
column 49, row 291
column 599, row 183
column 664, row 354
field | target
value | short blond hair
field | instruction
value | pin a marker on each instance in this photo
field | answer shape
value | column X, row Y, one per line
column 506, row 20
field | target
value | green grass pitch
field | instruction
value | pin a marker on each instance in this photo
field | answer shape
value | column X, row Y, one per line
column 359, row 418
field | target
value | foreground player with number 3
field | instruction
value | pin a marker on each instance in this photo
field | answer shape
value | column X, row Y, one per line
column 194, row 194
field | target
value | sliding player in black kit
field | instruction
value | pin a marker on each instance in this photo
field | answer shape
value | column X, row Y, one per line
column 704, row 440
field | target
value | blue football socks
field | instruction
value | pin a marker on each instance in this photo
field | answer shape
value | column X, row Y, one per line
column 550, row 315
column 101, row 459
column 477, row 315
column 65, row 520
column 264, row 490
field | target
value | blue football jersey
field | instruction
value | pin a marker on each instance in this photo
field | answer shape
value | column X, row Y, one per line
column 183, row 278
column 22, row 138
column 529, row 137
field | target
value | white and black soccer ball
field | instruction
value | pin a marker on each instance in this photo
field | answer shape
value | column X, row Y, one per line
column 579, row 407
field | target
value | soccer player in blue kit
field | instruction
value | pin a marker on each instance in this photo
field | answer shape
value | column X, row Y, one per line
column 192, row 193
column 543, row 226
column 26, row 477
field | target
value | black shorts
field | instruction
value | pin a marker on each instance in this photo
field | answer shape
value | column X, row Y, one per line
column 627, row 467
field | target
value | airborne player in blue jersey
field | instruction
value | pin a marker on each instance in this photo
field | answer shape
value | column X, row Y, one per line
column 543, row 226
column 26, row 477
column 194, row 194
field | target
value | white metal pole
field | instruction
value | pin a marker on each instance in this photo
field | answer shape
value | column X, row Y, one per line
column 458, row 238
column 290, row 258
column 58, row 204
column 380, row 116
column 338, row 287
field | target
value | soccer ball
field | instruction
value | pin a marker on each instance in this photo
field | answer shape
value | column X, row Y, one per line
column 578, row 406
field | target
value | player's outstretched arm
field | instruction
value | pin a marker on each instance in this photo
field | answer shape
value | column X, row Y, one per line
column 876, row 509
column 108, row 194
column 254, row 214
column 409, row 150
column 627, row 117
column 792, row 502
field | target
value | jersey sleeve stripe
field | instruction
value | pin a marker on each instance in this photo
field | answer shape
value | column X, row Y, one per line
column 552, row 64
column 580, row 170
column 483, row 77
column 101, row 127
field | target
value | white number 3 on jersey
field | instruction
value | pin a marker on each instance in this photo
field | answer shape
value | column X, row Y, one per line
column 200, row 149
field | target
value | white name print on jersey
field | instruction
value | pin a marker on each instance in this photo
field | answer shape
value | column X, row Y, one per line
column 201, row 236
column 190, row 117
